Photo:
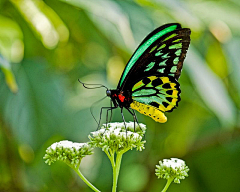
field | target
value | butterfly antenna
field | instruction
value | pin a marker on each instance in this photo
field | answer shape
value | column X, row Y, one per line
column 93, row 105
column 86, row 84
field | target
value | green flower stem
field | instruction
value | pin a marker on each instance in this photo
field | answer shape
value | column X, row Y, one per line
column 167, row 184
column 118, row 162
column 76, row 169
column 110, row 157
column 116, row 169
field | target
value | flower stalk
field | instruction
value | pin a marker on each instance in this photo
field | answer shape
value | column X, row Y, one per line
column 169, row 181
column 84, row 179
column 116, row 169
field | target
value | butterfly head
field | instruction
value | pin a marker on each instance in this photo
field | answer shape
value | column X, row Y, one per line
column 112, row 93
column 108, row 93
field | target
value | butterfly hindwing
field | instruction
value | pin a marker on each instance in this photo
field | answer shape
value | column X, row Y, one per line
column 160, row 92
column 154, row 95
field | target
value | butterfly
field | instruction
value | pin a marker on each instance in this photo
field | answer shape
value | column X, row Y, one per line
column 149, row 82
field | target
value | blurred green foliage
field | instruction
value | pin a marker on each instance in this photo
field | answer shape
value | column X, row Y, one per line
column 45, row 46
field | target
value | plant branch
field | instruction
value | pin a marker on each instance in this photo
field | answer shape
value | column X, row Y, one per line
column 167, row 184
column 76, row 169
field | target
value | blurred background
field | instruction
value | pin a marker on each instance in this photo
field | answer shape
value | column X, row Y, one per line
column 45, row 46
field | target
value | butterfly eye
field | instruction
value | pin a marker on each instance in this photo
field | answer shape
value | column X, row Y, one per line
column 108, row 92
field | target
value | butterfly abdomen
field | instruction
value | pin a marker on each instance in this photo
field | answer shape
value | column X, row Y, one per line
column 150, row 111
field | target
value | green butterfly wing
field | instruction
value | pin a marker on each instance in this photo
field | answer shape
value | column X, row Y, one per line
column 161, row 53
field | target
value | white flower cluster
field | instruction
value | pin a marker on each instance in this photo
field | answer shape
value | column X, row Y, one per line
column 68, row 152
column 172, row 168
column 117, row 137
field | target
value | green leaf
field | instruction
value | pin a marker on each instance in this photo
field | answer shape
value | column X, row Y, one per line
column 109, row 17
column 45, row 23
column 172, row 11
column 9, row 76
column 233, row 49
column 11, row 40
column 37, row 111
column 212, row 11
column 211, row 89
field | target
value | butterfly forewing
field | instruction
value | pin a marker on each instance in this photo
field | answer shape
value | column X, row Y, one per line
column 163, row 57
column 146, row 43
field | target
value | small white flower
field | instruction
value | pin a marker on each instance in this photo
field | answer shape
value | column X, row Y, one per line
column 114, row 136
column 68, row 152
column 172, row 168
column 66, row 144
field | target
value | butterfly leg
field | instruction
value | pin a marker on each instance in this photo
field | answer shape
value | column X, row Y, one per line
column 107, row 117
column 111, row 108
column 123, row 119
column 108, row 108
column 134, row 117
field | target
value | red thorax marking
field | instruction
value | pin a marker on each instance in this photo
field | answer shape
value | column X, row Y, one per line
column 121, row 98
